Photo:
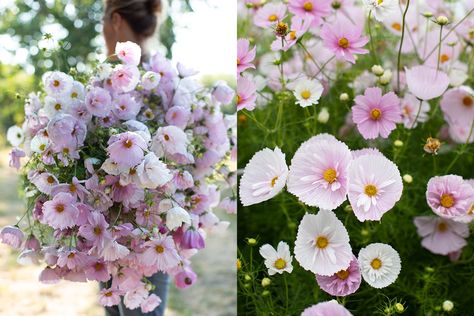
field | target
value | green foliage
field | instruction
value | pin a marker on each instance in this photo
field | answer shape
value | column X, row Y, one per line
column 425, row 281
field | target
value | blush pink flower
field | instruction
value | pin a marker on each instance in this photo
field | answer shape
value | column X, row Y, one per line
column 125, row 78
column 61, row 212
column 170, row 140
column 458, row 106
column 95, row 230
column 312, row 9
column 192, row 239
column 128, row 52
column 376, row 114
column 426, row 83
column 330, row 308
column 126, row 107
column 97, row 271
column 109, row 297
column 72, row 259
column 344, row 39
column 178, row 116
column 246, row 94
column 245, row 55
column 342, row 283
column 12, row 236
column 375, row 185
column 15, row 156
column 185, row 278
column 126, row 149
column 441, row 236
column 161, row 252
column 411, row 112
column 318, row 172
column 150, row 303
column 449, row 196
column 98, row 102
column 270, row 14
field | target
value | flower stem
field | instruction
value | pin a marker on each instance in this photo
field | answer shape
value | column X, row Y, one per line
column 462, row 150
column 399, row 57
column 439, row 47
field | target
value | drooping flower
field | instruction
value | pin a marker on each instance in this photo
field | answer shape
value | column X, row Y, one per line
column 412, row 114
column 264, row 176
column 109, row 297
column 192, row 239
column 307, row 92
column 176, row 216
column 375, row 185
column 245, row 55
column 342, row 283
column 15, row 156
column 12, row 236
column 126, row 149
column 441, row 236
column 330, row 308
column 270, row 14
column 312, row 9
column 149, row 304
column 318, row 172
column 381, row 9
column 61, row 212
column 246, row 94
column 322, row 244
column 380, row 264
column 376, row 114
column 449, row 196
column 222, row 92
column 279, row 260
column 185, row 278
column 128, row 52
column 152, row 173
column 344, row 39
column 15, row 136
column 425, row 82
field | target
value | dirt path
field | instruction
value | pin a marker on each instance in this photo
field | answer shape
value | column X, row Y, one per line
column 21, row 294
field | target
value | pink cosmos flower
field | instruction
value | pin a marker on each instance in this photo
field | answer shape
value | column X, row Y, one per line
column 128, row 52
column 97, row 271
column 57, row 83
column 313, row 9
column 126, row 149
column 192, row 239
column 270, row 14
column 425, row 82
column 330, row 308
column 95, row 229
column 72, row 258
column 133, row 298
column 150, row 80
column 375, row 185
column 126, row 107
column 161, row 252
column 376, row 114
column 125, row 78
column 222, row 92
column 458, row 106
column 109, row 297
column 245, row 55
column 246, row 94
column 344, row 39
column 15, row 156
column 114, row 251
column 75, row 188
column 170, row 140
column 178, row 116
column 185, row 278
column 98, row 102
column 411, row 112
column 441, row 236
column 318, row 172
column 61, row 212
column 64, row 130
column 449, row 196
column 150, row 303
column 49, row 276
column 12, row 236
column 342, row 283
column 298, row 28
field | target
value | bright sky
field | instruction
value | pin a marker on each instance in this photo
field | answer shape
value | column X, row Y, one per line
column 205, row 38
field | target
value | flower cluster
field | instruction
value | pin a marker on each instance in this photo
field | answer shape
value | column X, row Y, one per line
column 123, row 173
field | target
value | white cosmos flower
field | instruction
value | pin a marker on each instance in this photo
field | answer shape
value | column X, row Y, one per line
column 381, row 8
column 322, row 244
column 279, row 260
column 39, row 143
column 104, row 71
column 54, row 106
column 150, row 80
column 307, row 92
column 380, row 264
column 264, row 176
column 176, row 216
column 152, row 172
column 15, row 136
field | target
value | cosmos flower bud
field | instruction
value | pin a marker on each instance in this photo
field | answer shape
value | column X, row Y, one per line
column 344, row 97
column 252, row 241
column 398, row 143
column 323, row 116
column 442, row 20
column 266, row 282
column 385, row 78
column 428, row 14
column 432, row 145
column 408, row 178
column 448, row 306
column 377, row 70
column 399, row 308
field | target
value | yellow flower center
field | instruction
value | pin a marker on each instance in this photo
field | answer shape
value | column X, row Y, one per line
column 74, row 95
column 305, row 94
column 97, row 230
column 50, row 180
column 292, row 35
column 376, row 263
column 272, row 18
column 239, row 99
column 444, row 58
column 60, row 208
column 238, row 61
column 442, row 226
column 308, row 6
column 280, row 264
column 343, row 274
column 379, row 2
column 375, row 114
column 128, row 143
column 159, row 249
column 274, row 180
column 370, row 190
column 56, row 83
column 57, row 106
column 467, row 101
column 446, row 200
column 72, row 188
column 343, row 42
column 281, row 29
column 42, row 147
column 108, row 294
column 322, row 242
column 396, row 26
column 330, row 175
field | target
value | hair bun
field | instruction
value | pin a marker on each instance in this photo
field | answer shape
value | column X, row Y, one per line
column 154, row 6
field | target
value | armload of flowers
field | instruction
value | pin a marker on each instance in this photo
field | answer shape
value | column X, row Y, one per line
column 385, row 77
column 122, row 175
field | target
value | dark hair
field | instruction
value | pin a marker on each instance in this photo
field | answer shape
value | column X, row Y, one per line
column 141, row 15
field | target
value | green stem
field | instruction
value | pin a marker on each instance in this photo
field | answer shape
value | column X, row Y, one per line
column 372, row 47
column 286, row 293
column 439, row 47
column 399, row 57
column 462, row 150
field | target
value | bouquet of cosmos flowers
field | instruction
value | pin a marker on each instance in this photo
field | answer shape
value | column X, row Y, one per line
column 373, row 104
column 123, row 172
